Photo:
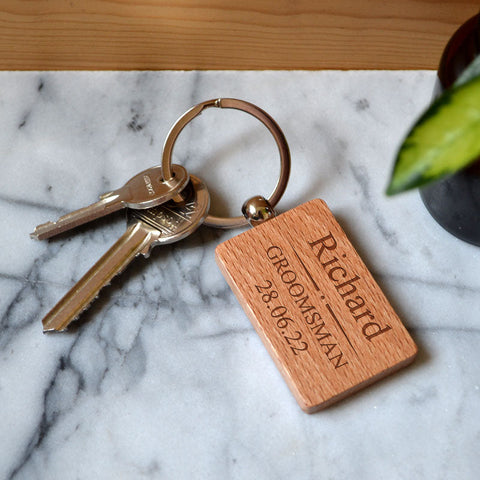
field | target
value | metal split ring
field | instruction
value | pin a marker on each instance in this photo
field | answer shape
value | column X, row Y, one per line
column 265, row 118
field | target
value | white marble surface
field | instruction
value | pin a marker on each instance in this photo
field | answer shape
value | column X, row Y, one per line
column 165, row 378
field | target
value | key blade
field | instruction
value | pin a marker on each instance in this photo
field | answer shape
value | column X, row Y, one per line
column 137, row 239
column 107, row 204
column 145, row 190
column 165, row 223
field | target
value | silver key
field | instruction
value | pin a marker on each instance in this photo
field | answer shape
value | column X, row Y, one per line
column 166, row 223
column 145, row 190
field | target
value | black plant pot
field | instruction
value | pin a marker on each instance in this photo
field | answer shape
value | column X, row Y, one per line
column 455, row 201
column 455, row 204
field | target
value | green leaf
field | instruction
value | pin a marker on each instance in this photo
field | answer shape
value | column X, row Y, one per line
column 444, row 140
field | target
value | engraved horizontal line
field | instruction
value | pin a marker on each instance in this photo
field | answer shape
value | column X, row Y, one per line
column 317, row 288
column 332, row 313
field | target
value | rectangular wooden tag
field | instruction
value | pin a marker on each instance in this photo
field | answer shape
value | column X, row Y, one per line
column 315, row 305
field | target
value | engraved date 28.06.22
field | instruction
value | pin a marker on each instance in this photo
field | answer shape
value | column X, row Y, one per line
column 279, row 315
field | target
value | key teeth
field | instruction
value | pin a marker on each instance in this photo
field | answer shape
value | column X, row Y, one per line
column 65, row 328
column 47, row 329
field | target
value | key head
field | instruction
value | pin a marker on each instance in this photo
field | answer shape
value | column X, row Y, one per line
column 148, row 189
column 176, row 220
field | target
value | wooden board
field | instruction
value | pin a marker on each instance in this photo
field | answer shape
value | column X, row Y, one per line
column 315, row 305
column 227, row 34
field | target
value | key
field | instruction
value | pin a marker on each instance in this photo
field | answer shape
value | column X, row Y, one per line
column 145, row 190
column 163, row 224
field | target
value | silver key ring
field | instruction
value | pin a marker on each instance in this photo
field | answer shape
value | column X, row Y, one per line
column 265, row 118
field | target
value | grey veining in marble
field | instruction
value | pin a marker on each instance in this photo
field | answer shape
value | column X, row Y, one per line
column 164, row 377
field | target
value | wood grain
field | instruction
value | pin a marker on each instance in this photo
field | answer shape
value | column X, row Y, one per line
column 227, row 34
column 315, row 305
